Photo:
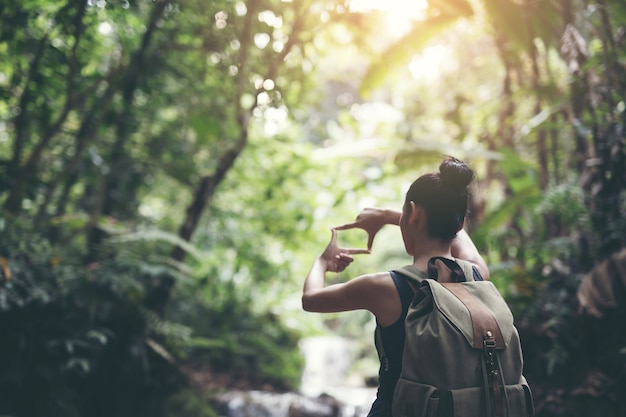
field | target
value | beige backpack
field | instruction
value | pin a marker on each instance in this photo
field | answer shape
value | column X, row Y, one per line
column 462, row 354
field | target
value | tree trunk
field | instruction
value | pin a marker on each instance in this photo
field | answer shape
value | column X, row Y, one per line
column 13, row 202
column 107, row 199
column 22, row 175
column 204, row 192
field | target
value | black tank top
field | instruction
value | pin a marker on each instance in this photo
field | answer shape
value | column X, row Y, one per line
column 390, row 353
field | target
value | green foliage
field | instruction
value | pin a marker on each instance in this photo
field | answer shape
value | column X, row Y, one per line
column 240, row 125
column 214, row 322
column 547, row 223
column 230, row 336
column 75, row 338
column 71, row 330
column 113, row 116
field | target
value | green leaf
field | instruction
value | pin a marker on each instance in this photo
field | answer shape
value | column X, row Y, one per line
column 546, row 21
column 521, row 23
column 519, row 173
column 159, row 235
column 205, row 127
column 527, row 198
column 508, row 18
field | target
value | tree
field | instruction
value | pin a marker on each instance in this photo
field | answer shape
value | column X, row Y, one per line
column 106, row 102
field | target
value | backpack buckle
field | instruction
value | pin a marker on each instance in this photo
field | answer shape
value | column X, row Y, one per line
column 489, row 342
column 492, row 376
column 489, row 347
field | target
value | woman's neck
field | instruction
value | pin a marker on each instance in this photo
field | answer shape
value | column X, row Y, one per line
column 427, row 248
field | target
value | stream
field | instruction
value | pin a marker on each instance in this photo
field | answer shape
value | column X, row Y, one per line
column 325, row 389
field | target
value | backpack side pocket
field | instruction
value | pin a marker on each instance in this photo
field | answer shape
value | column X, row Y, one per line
column 470, row 402
column 411, row 399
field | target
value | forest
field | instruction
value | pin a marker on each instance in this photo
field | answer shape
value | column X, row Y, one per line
column 170, row 168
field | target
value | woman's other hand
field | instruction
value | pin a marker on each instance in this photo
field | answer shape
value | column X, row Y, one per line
column 337, row 259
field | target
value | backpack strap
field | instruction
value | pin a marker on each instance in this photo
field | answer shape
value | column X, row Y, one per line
column 458, row 275
column 461, row 271
column 469, row 269
column 410, row 271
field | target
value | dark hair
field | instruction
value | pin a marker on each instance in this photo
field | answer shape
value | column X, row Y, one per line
column 443, row 196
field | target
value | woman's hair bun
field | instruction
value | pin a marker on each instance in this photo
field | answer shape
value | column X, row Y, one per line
column 455, row 173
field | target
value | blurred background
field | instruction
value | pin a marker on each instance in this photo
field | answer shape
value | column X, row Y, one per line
column 170, row 169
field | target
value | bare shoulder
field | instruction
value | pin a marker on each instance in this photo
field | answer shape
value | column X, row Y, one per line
column 377, row 280
column 370, row 287
column 382, row 298
column 377, row 288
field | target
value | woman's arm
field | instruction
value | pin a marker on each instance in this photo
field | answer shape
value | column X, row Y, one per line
column 316, row 296
column 366, row 292
column 373, row 292
column 463, row 248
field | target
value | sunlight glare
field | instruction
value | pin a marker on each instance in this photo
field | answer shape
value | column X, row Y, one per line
column 400, row 13
column 105, row 28
column 431, row 62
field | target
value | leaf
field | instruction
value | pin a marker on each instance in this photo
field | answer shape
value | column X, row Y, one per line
column 206, row 343
column 160, row 350
column 546, row 21
column 4, row 265
column 538, row 120
column 526, row 198
column 520, row 174
column 510, row 20
column 425, row 152
column 522, row 23
column 206, row 128
column 151, row 235
column 80, row 364
column 410, row 158
column 525, row 193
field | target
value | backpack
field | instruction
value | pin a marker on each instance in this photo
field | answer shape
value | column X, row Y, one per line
column 462, row 355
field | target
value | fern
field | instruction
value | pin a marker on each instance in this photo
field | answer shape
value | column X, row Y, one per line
column 155, row 235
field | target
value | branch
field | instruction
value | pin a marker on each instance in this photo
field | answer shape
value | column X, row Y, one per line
column 20, row 119
column 205, row 191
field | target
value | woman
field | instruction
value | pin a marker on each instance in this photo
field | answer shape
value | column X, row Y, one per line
column 431, row 223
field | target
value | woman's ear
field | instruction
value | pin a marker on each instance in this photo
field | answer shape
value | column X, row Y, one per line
column 462, row 225
column 417, row 216
column 414, row 212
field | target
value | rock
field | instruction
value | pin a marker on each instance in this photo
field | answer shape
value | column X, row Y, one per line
column 266, row 404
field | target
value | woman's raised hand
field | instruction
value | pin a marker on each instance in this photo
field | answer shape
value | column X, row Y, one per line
column 371, row 220
column 337, row 259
